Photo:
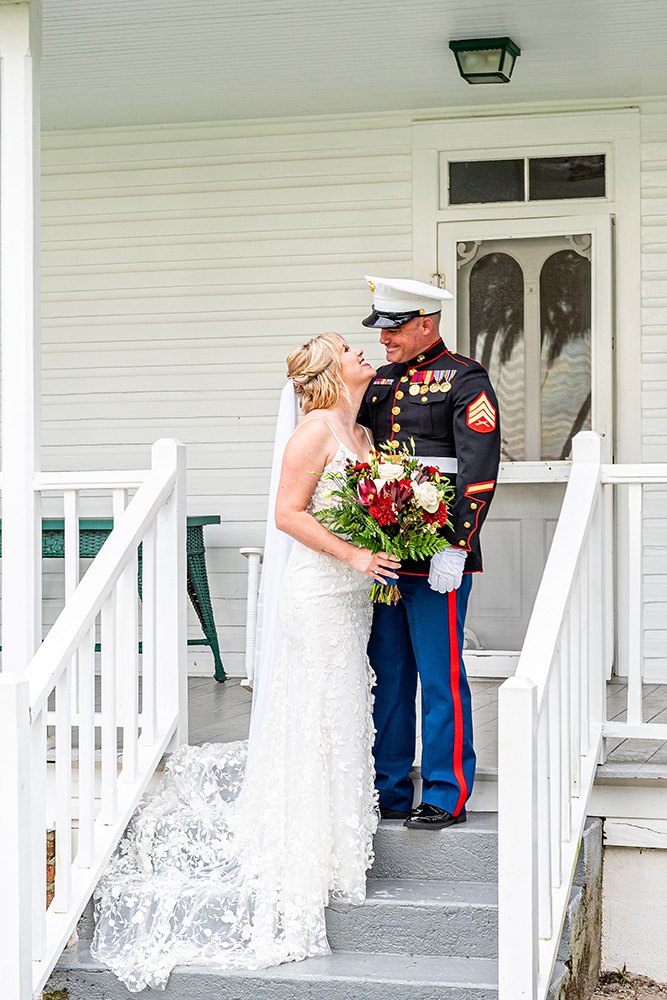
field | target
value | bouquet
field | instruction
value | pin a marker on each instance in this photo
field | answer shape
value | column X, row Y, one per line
column 390, row 504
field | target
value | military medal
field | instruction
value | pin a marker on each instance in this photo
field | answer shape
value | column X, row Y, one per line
column 435, row 387
column 423, row 389
column 414, row 389
column 445, row 387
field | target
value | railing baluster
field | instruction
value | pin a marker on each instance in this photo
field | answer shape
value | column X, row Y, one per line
column 544, row 829
column 555, row 761
column 109, row 754
column 148, row 626
column 87, row 751
column 127, row 638
column 584, row 650
column 575, row 689
column 566, row 729
column 63, row 894
column 635, row 631
column 71, row 546
column 38, row 825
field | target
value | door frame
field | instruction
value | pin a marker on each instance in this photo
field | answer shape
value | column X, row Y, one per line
column 540, row 132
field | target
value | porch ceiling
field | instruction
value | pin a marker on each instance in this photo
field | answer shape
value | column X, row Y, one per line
column 135, row 62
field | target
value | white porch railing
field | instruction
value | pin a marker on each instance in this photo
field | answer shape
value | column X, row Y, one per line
column 551, row 714
column 96, row 790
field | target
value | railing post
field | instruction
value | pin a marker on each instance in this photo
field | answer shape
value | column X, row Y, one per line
column 170, row 577
column 517, row 840
column 254, row 557
column 15, row 842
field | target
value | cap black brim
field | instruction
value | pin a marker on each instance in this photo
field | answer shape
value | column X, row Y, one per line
column 389, row 321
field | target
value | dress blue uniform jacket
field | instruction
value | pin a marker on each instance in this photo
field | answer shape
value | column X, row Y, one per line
column 458, row 422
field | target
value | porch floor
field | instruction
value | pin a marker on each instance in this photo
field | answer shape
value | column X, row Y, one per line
column 220, row 713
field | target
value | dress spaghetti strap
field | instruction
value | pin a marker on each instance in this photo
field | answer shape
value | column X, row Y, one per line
column 370, row 443
column 324, row 421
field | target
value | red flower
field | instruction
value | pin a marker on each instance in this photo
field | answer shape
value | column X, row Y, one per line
column 382, row 508
column 360, row 467
column 438, row 517
column 366, row 491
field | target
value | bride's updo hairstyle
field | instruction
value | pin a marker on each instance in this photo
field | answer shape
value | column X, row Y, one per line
column 315, row 371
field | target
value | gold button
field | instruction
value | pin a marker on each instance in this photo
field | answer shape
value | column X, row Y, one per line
column 420, row 357
column 466, row 524
column 461, row 542
column 404, row 378
column 423, row 399
column 411, row 371
column 396, row 410
column 399, row 394
column 473, row 506
column 375, row 399
column 396, row 428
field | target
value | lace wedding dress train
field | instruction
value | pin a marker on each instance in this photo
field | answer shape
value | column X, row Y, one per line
column 235, row 873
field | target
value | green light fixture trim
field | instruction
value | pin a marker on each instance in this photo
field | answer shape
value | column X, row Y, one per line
column 485, row 60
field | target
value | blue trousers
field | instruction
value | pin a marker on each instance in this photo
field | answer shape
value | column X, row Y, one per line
column 422, row 635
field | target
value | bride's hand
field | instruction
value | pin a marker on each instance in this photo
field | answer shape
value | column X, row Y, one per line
column 377, row 565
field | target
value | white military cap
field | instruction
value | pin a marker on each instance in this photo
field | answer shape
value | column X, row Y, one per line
column 398, row 300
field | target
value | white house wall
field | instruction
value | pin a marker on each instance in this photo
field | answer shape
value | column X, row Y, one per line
column 654, row 378
column 181, row 265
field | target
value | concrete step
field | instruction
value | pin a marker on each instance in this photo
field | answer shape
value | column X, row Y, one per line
column 419, row 917
column 467, row 852
column 339, row 976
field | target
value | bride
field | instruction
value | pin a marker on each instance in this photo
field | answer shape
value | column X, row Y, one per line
column 232, row 868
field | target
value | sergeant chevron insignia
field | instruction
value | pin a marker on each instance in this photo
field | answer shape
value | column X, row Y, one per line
column 481, row 415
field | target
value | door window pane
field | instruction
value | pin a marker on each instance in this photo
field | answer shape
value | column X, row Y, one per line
column 482, row 181
column 565, row 329
column 497, row 341
column 556, row 177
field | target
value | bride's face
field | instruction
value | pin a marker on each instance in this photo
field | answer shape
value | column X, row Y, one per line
column 354, row 370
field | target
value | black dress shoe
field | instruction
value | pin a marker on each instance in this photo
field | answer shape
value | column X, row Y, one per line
column 428, row 817
column 393, row 813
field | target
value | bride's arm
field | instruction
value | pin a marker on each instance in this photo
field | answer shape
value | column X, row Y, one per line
column 306, row 455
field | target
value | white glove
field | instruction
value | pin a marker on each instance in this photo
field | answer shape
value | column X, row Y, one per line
column 446, row 570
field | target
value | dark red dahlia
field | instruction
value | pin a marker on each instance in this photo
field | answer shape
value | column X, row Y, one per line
column 437, row 517
column 382, row 509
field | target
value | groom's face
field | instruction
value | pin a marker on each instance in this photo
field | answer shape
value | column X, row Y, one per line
column 405, row 342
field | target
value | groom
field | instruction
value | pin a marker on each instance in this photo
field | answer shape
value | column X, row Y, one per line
column 444, row 402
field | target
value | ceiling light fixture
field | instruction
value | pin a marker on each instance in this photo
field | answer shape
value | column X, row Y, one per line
column 485, row 60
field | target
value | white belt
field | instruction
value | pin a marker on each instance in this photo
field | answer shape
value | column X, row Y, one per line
column 444, row 464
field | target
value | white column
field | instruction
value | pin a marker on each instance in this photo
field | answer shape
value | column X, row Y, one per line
column 20, row 32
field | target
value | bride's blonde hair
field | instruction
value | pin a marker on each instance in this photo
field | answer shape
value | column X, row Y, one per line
column 315, row 370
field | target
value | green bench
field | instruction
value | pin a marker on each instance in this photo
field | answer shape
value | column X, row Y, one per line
column 94, row 531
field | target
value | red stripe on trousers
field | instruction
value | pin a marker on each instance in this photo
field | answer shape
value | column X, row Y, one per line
column 455, row 673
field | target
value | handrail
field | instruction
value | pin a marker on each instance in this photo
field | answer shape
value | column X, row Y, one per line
column 550, row 717
column 90, row 818
column 86, row 602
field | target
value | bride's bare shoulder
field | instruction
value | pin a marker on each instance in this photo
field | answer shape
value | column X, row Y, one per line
column 312, row 436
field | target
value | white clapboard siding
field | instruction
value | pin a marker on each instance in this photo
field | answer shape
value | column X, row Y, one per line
column 654, row 382
column 180, row 265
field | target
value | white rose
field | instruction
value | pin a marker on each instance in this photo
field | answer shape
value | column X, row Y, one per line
column 387, row 471
column 426, row 496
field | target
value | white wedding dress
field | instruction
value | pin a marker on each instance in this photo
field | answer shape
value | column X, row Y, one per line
column 228, row 873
